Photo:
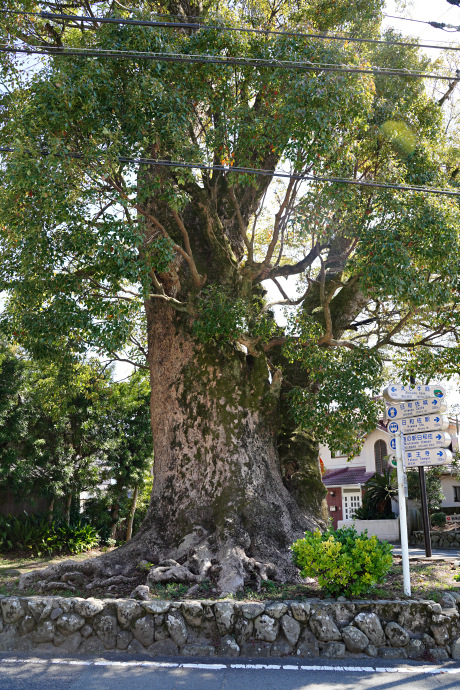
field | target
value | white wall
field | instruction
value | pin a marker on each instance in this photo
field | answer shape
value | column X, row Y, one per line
column 448, row 484
column 364, row 459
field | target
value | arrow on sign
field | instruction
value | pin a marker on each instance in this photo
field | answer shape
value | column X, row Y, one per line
column 393, row 389
column 439, row 437
column 440, row 453
column 436, row 419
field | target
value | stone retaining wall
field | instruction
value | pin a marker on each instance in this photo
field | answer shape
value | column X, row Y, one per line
column 440, row 540
column 225, row 628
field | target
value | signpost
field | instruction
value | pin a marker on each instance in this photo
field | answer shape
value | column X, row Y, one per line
column 413, row 425
column 397, row 393
column 430, row 439
column 418, row 425
column 414, row 408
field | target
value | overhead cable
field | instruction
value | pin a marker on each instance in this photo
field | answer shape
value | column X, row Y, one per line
column 253, row 171
column 216, row 27
column 304, row 66
column 211, row 27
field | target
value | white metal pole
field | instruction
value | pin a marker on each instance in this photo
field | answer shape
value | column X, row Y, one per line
column 402, row 514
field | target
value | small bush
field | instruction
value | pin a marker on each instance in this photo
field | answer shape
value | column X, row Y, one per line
column 343, row 561
column 34, row 533
column 438, row 519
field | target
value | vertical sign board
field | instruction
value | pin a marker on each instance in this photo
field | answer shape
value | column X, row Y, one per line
column 416, row 419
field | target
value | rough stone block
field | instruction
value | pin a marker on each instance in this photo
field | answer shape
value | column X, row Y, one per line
column 333, row 650
column 124, row 638
column 308, row 645
column 244, row 630
column 440, row 634
column 355, row 640
column 291, row 629
column 44, row 632
column 143, row 630
column 224, row 612
column 456, row 649
column 198, row 650
column 106, row 629
column 128, row 612
column 397, row 636
column 156, row 607
column 163, row 648
column 255, row 650
column 276, row 610
column 252, row 610
column 69, row 623
column 415, row 649
column 228, row 647
column 300, row 611
column 177, row 628
column 371, row 650
column 392, row 653
column 324, row 627
column 281, row 648
column 266, row 628
column 439, row 653
column 68, row 643
column 370, row 625
column 193, row 613
column 12, row 609
column 41, row 607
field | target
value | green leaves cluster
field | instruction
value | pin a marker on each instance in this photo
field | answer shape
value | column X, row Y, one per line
column 339, row 404
column 344, row 562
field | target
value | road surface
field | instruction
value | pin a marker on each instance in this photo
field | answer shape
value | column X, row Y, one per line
column 40, row 672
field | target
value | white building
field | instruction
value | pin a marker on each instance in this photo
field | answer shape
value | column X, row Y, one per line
column 344, row 479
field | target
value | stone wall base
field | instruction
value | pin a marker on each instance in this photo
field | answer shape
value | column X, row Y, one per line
column 226, row 628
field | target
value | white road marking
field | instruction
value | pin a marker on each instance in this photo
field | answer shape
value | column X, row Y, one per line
column 223, row 667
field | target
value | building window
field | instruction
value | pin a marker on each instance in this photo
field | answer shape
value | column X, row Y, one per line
column 381, row 456
column 457, row 494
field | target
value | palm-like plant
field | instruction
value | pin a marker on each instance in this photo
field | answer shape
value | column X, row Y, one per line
column 380, row 489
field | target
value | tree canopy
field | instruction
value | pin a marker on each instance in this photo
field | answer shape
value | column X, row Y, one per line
column 108, row 245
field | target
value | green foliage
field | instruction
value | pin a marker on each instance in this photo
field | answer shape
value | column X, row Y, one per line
column 35, row 534
column 434, row 492
column 438, row 519
column 98, row 510
column 336, row 406
column 379, row 490
column 344, row 562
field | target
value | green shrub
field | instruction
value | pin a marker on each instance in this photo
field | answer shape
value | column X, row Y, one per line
column 343, row 561
column 439, row 519
column 35, row 534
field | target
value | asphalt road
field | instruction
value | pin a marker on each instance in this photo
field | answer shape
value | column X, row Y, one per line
column 50, row 673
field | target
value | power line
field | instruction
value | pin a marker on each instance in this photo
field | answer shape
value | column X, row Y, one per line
column 436, row 25
column 194, row 25
column 211, row 27
column 306, row 66
column 266, row 173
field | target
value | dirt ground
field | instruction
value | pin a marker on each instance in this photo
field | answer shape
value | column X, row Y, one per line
column 429, row 580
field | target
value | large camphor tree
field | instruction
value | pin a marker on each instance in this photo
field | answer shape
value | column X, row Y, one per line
column 169, row 266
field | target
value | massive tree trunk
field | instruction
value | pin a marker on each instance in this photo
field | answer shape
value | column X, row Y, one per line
column 218, row 497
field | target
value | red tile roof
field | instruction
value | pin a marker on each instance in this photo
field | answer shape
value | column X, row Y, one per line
column 347, row 475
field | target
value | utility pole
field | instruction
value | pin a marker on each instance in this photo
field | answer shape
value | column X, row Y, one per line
column 424, row 502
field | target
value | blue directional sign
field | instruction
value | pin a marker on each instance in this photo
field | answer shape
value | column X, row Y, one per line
column 420, row 458
column 429, row 439
column 422, row 423
column 395, row 392
column 415, row 408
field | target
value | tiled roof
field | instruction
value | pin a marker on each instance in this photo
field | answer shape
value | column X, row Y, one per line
column 347, row 475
